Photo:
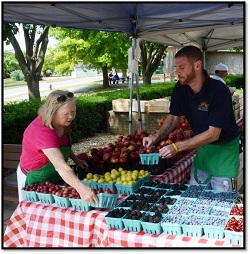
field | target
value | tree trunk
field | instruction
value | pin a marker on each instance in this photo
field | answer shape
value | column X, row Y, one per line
column 33, row 87
column 105, row 76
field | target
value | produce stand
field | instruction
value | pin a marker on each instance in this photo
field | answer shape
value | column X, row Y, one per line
column 34, row 224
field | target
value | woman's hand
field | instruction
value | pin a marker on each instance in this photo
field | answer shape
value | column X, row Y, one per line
column 81, row 164
column 87, row 194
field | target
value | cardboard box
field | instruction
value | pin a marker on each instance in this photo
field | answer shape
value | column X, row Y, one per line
column 120, row 105
column 143, row 105
column 159, row 105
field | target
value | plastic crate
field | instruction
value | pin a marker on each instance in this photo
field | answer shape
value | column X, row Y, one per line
column 127, row 189
column 79, row 204
column 105, row 200
column 233, row 237
column 62, row 202
column 30, row 195
column 150, row 158
column 45, row 198
column 132, row 225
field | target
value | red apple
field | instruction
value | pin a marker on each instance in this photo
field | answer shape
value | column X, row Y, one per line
column 122, row 159
column 114, row 160
column 94, row 151
column 83, row 156
column 106, row 156
column 95, row 159
column 131, row 148
column 124, row 149
column 133, row 155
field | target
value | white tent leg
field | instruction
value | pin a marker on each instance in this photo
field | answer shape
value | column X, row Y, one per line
column 131, row 81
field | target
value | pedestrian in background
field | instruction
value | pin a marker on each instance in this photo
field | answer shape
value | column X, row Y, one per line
column 221, row 71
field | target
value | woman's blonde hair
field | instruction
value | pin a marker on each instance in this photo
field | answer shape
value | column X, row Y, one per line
column 53, row 102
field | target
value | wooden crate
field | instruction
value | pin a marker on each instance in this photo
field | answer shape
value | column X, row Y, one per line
column 159, row 105
column 236, row 106
column 235, row 98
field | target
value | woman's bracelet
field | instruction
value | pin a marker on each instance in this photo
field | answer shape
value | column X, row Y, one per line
column 175, row 147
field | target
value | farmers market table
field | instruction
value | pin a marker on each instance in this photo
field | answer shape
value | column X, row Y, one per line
column 34, row 224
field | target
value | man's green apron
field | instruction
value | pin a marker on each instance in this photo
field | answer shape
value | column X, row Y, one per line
column 48, row 172
column 219, row 160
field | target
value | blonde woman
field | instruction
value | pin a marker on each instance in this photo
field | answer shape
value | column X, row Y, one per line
column 46, row 147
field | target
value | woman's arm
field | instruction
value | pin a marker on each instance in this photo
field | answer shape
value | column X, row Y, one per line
column 66, row 172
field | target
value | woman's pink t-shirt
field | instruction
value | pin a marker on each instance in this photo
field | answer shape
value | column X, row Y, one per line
column 37, row 137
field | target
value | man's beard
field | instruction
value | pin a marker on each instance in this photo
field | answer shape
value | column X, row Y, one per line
column 188, row 78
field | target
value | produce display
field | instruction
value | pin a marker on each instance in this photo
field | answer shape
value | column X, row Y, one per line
column 195, row 211
column 127, row 150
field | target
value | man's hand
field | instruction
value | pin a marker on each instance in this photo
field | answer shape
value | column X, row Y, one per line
column 148, row 141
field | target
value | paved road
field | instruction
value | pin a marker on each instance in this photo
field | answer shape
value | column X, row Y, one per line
column 73, row 84
column 76, row 85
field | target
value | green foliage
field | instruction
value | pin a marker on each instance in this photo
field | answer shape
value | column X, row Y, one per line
column 95, row 49
column 10, row 63
column 17, row 75
column 91, row 110
column 235, row 80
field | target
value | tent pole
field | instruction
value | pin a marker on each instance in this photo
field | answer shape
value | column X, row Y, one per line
column 138, row 102
column 131, row 80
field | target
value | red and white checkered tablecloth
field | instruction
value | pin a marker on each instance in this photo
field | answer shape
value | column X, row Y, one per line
column 180, row 171
column 34, row 224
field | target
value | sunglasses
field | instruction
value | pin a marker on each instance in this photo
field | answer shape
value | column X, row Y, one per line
column 63, row 97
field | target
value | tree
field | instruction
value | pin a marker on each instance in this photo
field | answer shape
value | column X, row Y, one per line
column 95, row 49
column 31, row 62
column 10, row 63
column 151, row 56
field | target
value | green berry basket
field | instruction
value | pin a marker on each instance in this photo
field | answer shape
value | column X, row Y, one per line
column 79, row 205
column 106, row 200
column 150, row 158
column 30, row 196
column 62, row 201
column 45, row 198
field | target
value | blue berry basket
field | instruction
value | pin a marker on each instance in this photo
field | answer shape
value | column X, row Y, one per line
column 79, row 204
column 171, row 224
column 30, row 196
column 214, row 231
column 150, row 158
column 45, row 198
column 62, row 202
column 193, row 230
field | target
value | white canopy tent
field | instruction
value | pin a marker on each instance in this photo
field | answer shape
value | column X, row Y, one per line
column 208, row 25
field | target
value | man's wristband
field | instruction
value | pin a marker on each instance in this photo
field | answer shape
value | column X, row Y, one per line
column 175, row 147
